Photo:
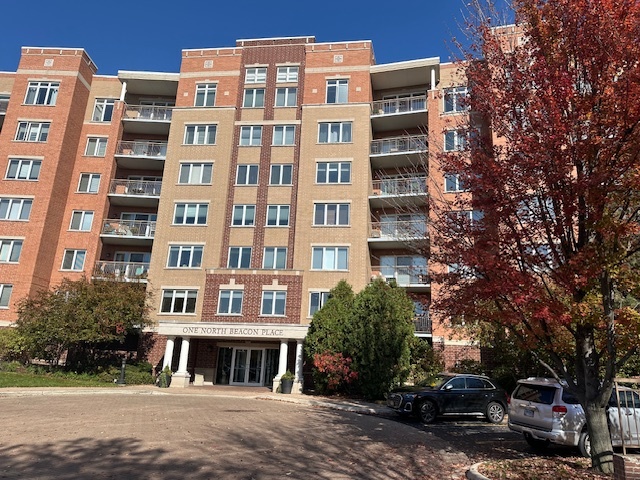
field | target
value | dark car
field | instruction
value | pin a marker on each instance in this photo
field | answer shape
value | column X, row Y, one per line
column 453, row 394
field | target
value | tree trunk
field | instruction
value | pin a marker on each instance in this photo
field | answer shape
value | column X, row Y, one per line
column 601, row 449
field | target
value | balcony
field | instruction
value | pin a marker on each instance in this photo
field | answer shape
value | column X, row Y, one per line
column 422, row 325
column 404, row 151
column 147, row 119
column 398, row 234
column 399, row 113
column 128, row 232
column 141, row 155
column 414, row 277
column 121, row 271
column 134, row 193
column 399, row 191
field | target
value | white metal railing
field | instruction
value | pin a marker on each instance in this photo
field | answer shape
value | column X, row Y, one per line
column 422, row 323
column 400, row 186
column 399, row 105
column 407, row 276
column 404, row 144
column 135, row 187
column 4, row 103
column 142, row 149
column 148, row 112
column 399, row 230
column 127, row 271
column 129, row 228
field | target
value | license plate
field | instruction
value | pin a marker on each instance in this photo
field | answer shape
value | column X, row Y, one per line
column 528, row 413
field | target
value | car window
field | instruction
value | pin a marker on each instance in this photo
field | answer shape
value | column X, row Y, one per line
column 569, row 398
column 475, row 383
column 535, row 393
column 457, row 383
column 629, row 399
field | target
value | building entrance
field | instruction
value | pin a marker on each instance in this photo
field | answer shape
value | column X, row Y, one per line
column 247, row 366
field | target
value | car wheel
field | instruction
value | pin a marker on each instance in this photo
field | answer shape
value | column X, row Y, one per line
column 495, row 412
column 537, row 445
column 584, row 444
column 427, row 411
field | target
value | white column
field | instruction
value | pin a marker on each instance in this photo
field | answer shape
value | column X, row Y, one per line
column 180, row 379
column 282, row 360
column 123, row 91
column 299, row 361
column 168, row 353
column 433, row 78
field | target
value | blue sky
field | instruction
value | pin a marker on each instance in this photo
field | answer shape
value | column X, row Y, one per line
column 149, row 35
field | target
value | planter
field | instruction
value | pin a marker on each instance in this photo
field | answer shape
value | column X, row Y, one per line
column 286, row 386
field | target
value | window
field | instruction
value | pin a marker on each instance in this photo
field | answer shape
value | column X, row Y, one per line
column 81, row 220
column 287, row 74
column 179, row 301
column 244, row 215
column 205, row 95
column 253, row 98
column 331, row 214
column 247, row 175
column 23, row 169
column 251, row 136
column 185, row 256
column 454, row 99
column 239, row 257
column 330, row 258
column 273, row 303
column 256, row 75
column 32, row 131
column 42, row 93
column 286, row 97
column 453, row 183
column 274, row 258
column 317, row 301
column 337, row 91
column 103, row 110
column 96, row 147
column 277, row 215
column 190, row 214
column 230, row 302
column 195, row 173
column 5, row 294
column 15, row 208
column 281, row 175
column 200, row 135
column 89, row 183
column 333, row 172
column 336, row 132
column 10, row 250
column 455, row 140
column 284, row 134
column 73, row 260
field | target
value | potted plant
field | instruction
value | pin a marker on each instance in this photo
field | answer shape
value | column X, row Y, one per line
column 286, row 382
column 164, row 379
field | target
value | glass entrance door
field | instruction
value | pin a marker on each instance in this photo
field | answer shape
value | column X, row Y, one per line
column 247, row 366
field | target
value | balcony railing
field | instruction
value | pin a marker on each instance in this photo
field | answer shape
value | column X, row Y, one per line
column 148, row 113
column 135, row 187
column 4, row 103
column 124, row 271
column 400, row 186
column 422, row 323
column 399, row 230
column 404, row 144
column 399, row 105
column 129, row 228
column 142, row 149
column 407, row 276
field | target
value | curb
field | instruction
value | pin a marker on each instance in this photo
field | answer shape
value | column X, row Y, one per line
column 473, row 474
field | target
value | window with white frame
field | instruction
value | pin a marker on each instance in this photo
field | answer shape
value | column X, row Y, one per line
column 247, row 174
column 317, row 301
column 286, row 96
column 179, row 301
column 284, row 135
column 287, row 74
column 200, row 134
column 23, row 169
column 195, row 173
column 185, row 256
column 73, row 260
column 256, row 75
column 244, row 216
column 455, row 140
column 453, row 183
column 251, row 135
column 96, row 147
column 10, row 250
column 467, row 216
column 89, row 183
column 239, row 257
column 334, row 132
column 15, row 208
column 330, row 258
column 253, row 98
column 333, row 172
column 455, row 99
column 5, row 294
column 42, row 93
column 273, row 303
column 274, row 258
column 277, row 215
column 205, row 95
column 337, row 91
column 190, row 214
column 281, row 174
column 32, row 131
column 336, row 214
column 230, row 302
column 81, row 220
column 103, row 109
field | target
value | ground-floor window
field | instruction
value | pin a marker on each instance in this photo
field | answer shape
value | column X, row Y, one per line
column 247, row 366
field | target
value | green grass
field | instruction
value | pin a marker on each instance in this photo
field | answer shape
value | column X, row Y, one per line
column 25, row 379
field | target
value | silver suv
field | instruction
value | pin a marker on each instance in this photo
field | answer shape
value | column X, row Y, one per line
column 545, row 412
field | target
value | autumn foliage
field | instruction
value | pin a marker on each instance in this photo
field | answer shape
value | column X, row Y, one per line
column 335, row 368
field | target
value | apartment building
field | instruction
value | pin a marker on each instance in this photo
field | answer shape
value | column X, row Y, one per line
column 240, row 190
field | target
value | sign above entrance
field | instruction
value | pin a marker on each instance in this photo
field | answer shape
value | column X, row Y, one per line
column 234, row 330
